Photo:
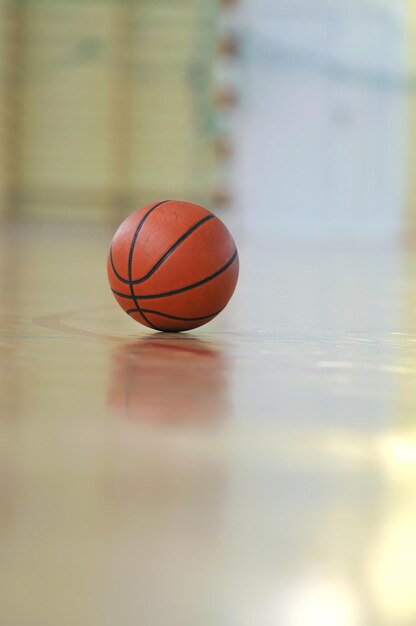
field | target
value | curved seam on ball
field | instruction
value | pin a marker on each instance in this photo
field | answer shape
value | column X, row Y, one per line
column 130, row 262
column 163, row 258
column 174, row 317
column 182, row 289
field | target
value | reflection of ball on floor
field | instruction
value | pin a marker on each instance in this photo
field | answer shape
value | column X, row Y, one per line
column 165, row 380
column 172, row 266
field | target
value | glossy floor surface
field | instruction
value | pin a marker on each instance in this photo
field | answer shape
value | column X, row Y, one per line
column 260, row 471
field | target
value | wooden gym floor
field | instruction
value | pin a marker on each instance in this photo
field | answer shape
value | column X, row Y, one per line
column 260, row 471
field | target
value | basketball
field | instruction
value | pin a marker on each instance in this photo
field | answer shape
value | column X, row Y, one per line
column 173, row 266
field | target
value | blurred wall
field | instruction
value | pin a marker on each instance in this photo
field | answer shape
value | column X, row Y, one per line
column 105, row 104
column 109, row 104
column 323, row 132
column 411, row 52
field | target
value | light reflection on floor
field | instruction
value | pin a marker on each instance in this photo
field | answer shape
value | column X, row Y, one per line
column 258, row 471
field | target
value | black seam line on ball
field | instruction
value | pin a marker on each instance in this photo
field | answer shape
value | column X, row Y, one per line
column 174, row 317
column 130, row 264
column 163, row 258
column 182, row 289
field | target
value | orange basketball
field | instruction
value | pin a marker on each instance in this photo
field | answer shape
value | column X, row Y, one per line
column 172, row 266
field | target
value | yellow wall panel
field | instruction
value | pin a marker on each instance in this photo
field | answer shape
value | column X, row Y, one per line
column 115, row 105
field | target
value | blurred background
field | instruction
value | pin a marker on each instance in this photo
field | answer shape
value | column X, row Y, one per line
column 262, row 471
column 296, row 114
